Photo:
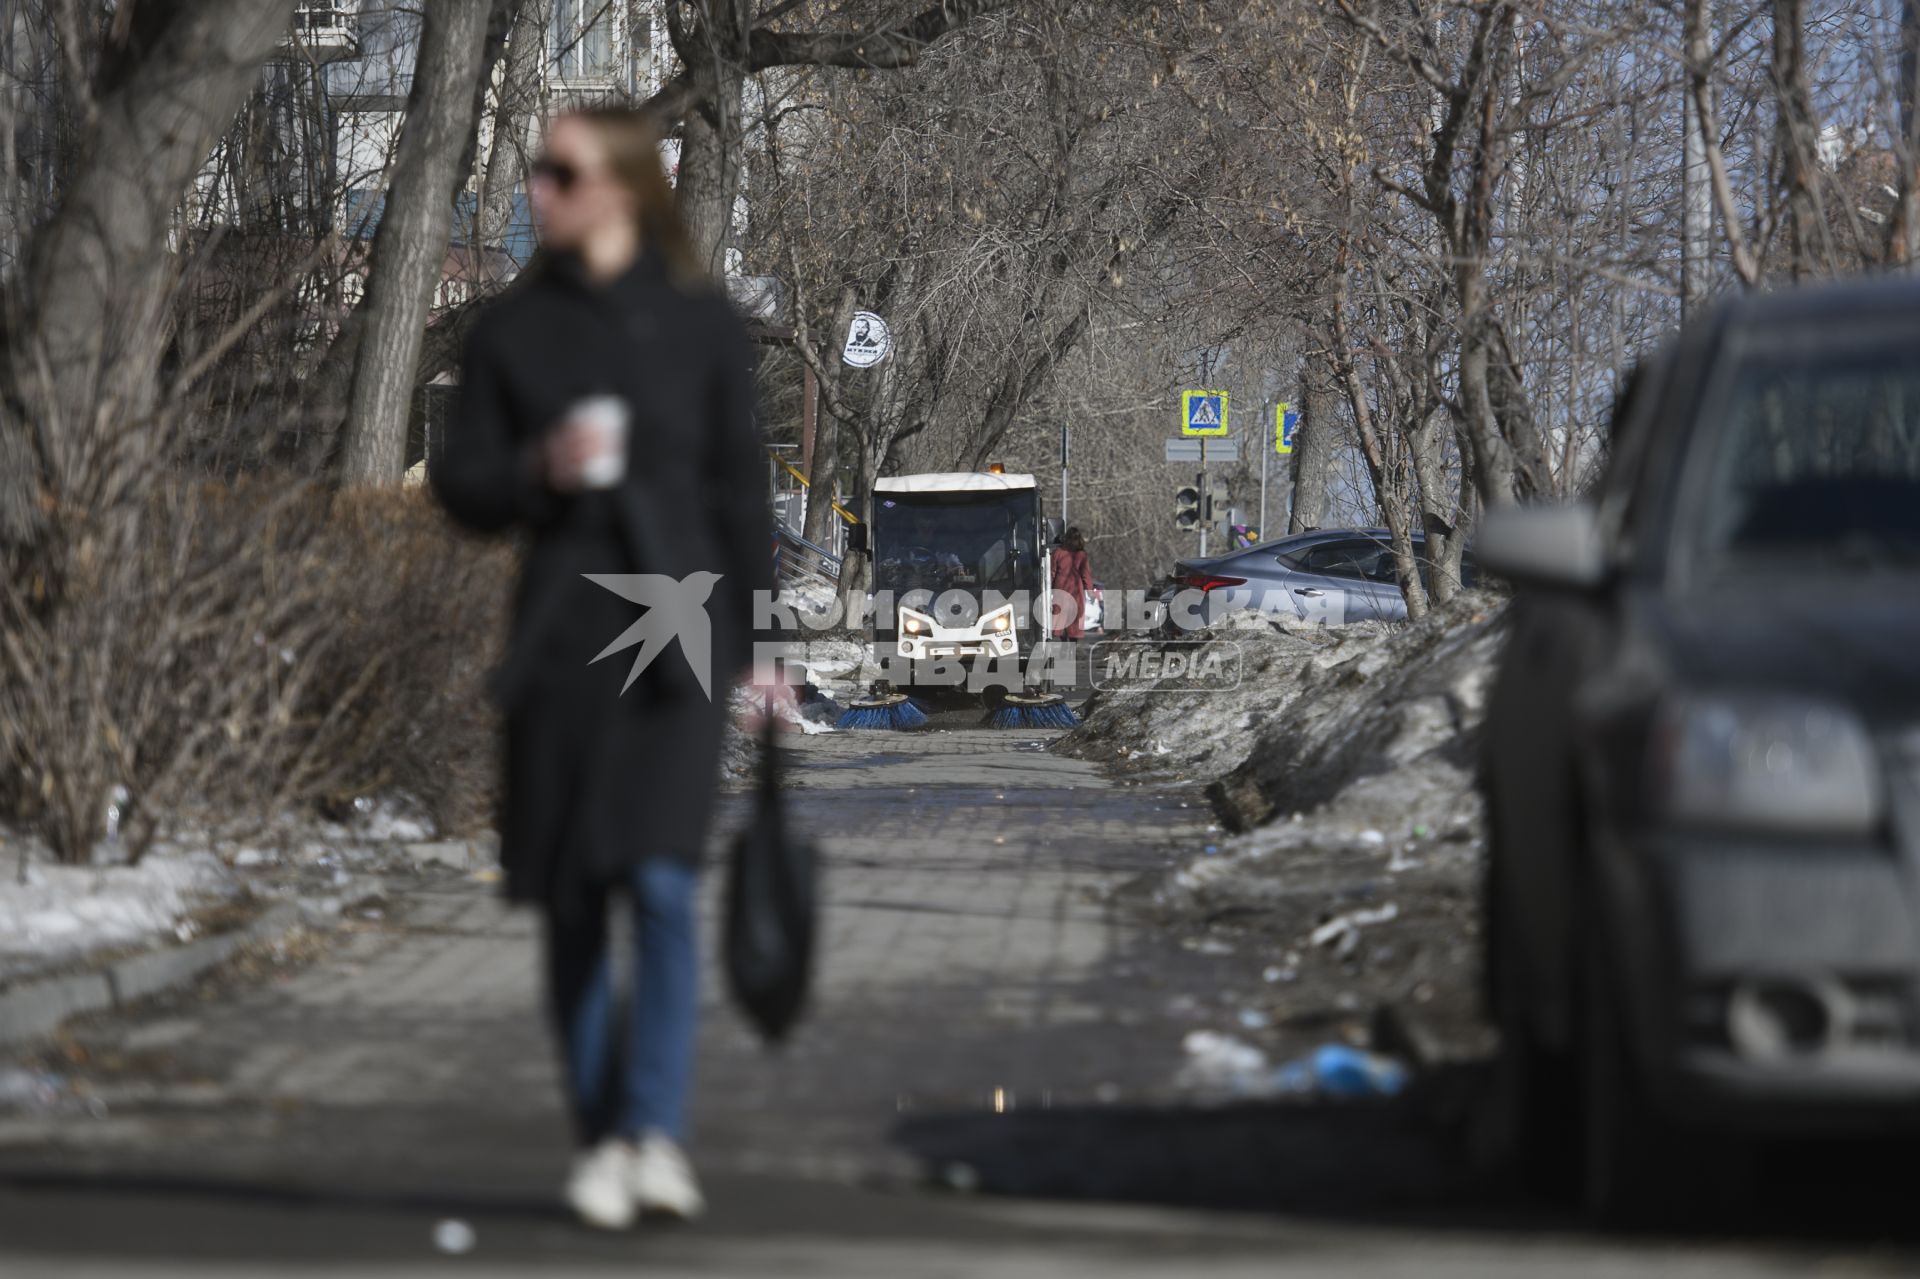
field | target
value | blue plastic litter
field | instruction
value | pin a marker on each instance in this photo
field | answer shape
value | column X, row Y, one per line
column 1335, row 1070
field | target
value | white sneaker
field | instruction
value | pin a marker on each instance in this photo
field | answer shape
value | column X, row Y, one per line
column 661, row 1180
column 599, row 1189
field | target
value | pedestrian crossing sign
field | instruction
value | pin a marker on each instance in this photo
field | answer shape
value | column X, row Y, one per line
column 1203, row 413
column 1286, row 422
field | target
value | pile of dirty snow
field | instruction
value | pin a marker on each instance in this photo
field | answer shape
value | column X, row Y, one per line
column 834, row 664
column 1345, row 762
column 1160, row 731
column 51, row 914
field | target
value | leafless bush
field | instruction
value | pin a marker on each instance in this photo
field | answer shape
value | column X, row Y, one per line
column 240, row 651
column 418, row 612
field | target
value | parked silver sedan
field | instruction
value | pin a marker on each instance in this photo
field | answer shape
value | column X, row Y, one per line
column 1332, row 576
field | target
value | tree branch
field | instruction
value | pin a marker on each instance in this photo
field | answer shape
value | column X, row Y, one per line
column 898, row 45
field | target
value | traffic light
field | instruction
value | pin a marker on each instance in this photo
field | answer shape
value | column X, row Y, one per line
column 1186, row 508
column 1215, row 510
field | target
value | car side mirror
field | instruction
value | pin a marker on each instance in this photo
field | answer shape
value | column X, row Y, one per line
column 857, row 537
column 1054, row 528
column 1555, row 547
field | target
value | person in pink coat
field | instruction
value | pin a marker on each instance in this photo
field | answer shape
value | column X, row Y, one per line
column 1072, row 577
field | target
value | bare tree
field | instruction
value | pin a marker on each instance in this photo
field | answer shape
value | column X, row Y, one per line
column 86, row 318
column 517, row 103
column 1798, row 134
column 410, row 247
column 723, row 43
column 1315, row 442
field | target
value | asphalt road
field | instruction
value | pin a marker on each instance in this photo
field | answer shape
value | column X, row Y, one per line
column 985, row 1087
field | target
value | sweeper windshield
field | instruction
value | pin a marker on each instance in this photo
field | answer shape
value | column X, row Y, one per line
column 968, row 541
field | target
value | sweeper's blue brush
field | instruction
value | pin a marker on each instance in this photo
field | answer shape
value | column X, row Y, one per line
column 1048, row 710
column 890, row 712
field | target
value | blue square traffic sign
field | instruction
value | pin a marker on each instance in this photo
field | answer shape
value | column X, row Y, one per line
column 1203, row 413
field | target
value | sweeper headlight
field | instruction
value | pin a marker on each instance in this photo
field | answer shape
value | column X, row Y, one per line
column 999, row 621
column 915, row 623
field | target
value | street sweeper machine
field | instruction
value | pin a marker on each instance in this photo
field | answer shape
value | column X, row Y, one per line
column 962, row 592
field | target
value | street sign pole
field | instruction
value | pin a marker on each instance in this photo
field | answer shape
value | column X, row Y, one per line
column 1204, row 502
column 1263, row 496
column 1063, row 472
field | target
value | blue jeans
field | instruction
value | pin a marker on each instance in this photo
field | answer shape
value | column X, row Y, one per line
column 628, row 1068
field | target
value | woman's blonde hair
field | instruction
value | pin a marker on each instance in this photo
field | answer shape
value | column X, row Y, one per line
column 633, row 157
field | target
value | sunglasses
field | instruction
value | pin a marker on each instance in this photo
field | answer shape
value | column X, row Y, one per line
column 563, row 175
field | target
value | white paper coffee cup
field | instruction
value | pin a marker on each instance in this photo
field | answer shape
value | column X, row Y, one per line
column 604, row 419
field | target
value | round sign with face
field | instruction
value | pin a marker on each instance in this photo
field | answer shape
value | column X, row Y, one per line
column 868, row 341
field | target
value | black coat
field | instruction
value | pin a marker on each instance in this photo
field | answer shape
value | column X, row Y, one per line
column 597, row 778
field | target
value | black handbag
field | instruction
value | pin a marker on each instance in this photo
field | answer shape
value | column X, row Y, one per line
column 771, row 907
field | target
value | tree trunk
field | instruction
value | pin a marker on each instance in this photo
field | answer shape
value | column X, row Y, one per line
column 1797, row 138
column 1696, row 177
column 1314, row 452
column 79, row 382
column 1493, row 471
column 825, row 467
column 520, row 101
column 410, row 247
column 1389, row 493
column 1445, row 522
column 1903, row 233
column 709, row 178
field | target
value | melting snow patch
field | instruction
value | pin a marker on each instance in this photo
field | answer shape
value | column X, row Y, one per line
column 62, row 912
column 389, row 818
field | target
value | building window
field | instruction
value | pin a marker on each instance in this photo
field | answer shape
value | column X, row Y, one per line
column 585, row 40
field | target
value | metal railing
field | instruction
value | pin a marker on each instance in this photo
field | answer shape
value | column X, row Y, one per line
column 798, row 562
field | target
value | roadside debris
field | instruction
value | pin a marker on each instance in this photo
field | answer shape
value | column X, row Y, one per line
column 30, row 1090
column 1337, row 1070
column 1221, row 1063
column 453, row 1237
column 961, row 1178
column 43, row 1092
column 1342, row 932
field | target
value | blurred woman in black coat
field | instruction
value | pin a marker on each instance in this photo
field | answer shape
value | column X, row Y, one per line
column 606, row 410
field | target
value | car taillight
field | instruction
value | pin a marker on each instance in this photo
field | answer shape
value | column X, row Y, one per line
column 1210, row 581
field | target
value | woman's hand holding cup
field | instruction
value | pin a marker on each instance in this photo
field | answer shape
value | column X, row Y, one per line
column 588, row 448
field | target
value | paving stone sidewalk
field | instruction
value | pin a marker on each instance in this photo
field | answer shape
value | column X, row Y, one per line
column 964, row 932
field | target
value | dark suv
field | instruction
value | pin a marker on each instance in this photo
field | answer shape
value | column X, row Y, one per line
column 1702, row 762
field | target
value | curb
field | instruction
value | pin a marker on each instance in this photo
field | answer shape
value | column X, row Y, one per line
column 36, row 1008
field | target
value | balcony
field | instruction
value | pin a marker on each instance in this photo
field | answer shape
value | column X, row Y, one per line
column 324, row 32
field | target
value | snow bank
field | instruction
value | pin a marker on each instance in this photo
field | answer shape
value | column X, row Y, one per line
column 1372, row 724
column 51, row 915
column 1207, row 735
column 1345, row 763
